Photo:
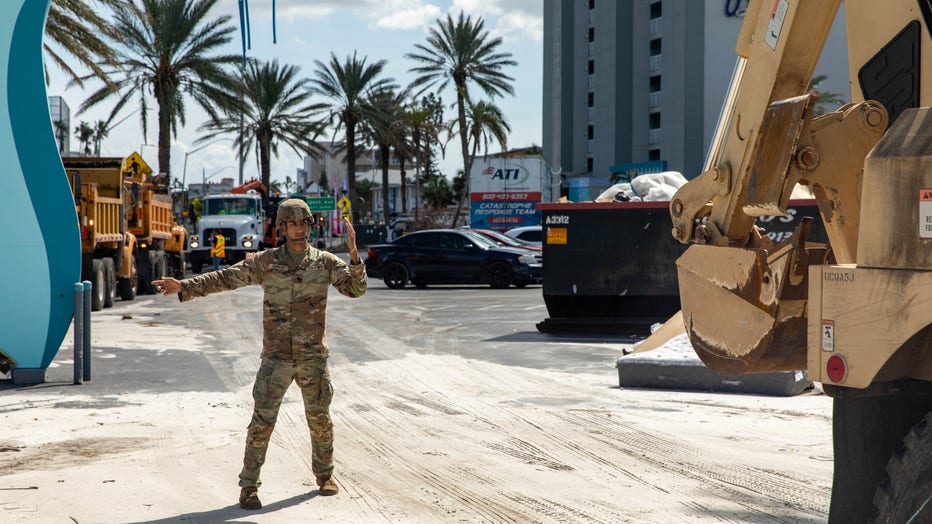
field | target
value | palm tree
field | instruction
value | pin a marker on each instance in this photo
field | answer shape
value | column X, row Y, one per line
column 346, row 85
column 61, row 131
column 101, row 130
column 85, row 135
column 425, row 122
column 825, row 100
column 169, row 48
column 437, row 193
column 75, row 26
column 485, row 122
column 462, row 51
column 276, row 108
column 385, row 127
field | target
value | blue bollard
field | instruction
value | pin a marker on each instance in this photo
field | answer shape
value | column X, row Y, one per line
column 88, row 289
column 78, row 329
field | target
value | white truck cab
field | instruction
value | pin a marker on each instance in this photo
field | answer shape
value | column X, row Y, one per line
column 241, row 220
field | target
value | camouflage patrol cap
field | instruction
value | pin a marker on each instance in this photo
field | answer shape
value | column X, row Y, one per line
column 292, row 209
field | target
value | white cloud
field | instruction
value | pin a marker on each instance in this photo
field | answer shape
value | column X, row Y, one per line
column 514, row 20
column 399, row 14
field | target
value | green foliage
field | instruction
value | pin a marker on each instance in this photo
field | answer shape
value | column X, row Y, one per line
column 167, row 50
column 84, row 132
column 462, row 52
column 437, row 193
column 826, row 101
column 345, row 86
column 76, row 28
column 276, row 109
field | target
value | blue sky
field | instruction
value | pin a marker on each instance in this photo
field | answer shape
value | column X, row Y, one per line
column 310, row 30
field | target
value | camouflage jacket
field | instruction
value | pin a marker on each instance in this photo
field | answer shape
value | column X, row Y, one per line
column 295, row 296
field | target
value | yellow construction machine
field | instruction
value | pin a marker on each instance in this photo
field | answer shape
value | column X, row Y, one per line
column 854, row 313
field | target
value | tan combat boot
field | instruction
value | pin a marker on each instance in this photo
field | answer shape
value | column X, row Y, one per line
column 327, row 485
column 249, row 498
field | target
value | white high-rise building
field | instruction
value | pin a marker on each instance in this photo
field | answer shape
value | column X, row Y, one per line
column 641, row 82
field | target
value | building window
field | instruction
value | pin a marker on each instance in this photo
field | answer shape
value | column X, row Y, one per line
column 590, row 99
column 656, row 10
column 591, row 67
column 592, row 34
column 591, row 4
column 655, row 84
column 655, row 47
column 590, row 132
column 589, row 164
column 653, row 154
column 654, row 121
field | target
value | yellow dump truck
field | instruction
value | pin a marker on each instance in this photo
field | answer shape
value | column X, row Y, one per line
column 128, row 233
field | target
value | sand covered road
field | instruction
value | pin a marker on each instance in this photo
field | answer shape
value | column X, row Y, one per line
column 422, row 435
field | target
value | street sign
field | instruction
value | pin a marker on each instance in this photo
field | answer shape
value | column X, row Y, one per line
column 345, row 205
column 321, row 203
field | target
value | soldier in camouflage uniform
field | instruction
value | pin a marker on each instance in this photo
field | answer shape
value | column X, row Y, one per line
column 295, row 279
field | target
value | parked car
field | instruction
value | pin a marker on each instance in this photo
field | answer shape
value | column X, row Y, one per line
column 531, row 234
column 452, row 256
column 507, row 241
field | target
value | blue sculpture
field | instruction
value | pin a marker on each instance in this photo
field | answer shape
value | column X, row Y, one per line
column 41, row 260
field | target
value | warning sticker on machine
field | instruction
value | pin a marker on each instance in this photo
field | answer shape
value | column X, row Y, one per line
column 925, row 213
column 775, row 25
column 828, row 335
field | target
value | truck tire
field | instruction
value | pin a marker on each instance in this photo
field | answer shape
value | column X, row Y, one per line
column 110, row 279
column 98, row 285
column 177, row 267
column 127, row 286
column 145, row 273
column 906, row 494
column 869, row 426
column 156, row 270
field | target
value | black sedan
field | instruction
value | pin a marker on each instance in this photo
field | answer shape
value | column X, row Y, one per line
column 452, row 256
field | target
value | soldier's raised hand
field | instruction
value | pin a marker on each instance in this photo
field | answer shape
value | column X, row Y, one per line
column 351, row 239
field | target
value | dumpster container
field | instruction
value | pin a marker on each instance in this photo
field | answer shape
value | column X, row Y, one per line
column 369, row 234
column 611, row 266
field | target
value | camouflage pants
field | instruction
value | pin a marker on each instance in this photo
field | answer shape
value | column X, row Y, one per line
column 272, row 380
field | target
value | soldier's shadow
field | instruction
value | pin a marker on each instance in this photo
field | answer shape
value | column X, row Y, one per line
column 233, row 512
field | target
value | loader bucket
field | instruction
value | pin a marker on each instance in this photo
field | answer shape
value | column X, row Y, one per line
column 744, row 310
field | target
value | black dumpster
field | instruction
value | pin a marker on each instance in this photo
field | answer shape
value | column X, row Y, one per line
column 369, row 234
column 610, row 267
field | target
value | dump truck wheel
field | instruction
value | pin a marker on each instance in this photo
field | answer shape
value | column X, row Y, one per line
column 127, row 286
column 499, row 276
column 178, row 266
column 98, row 285
column 110, row 280
column 395, row 275
column 906, row 495
column 153, row 272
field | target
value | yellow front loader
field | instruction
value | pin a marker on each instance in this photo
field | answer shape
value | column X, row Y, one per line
column 854, row 313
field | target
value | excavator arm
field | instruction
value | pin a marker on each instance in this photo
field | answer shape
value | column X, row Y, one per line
column 743, row 299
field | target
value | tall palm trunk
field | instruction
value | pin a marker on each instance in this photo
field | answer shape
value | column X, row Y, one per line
column 265, row 165
column 464, row 145
column 165, row 123
column 384, row 159
column 351, row 163
column 404, row 187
